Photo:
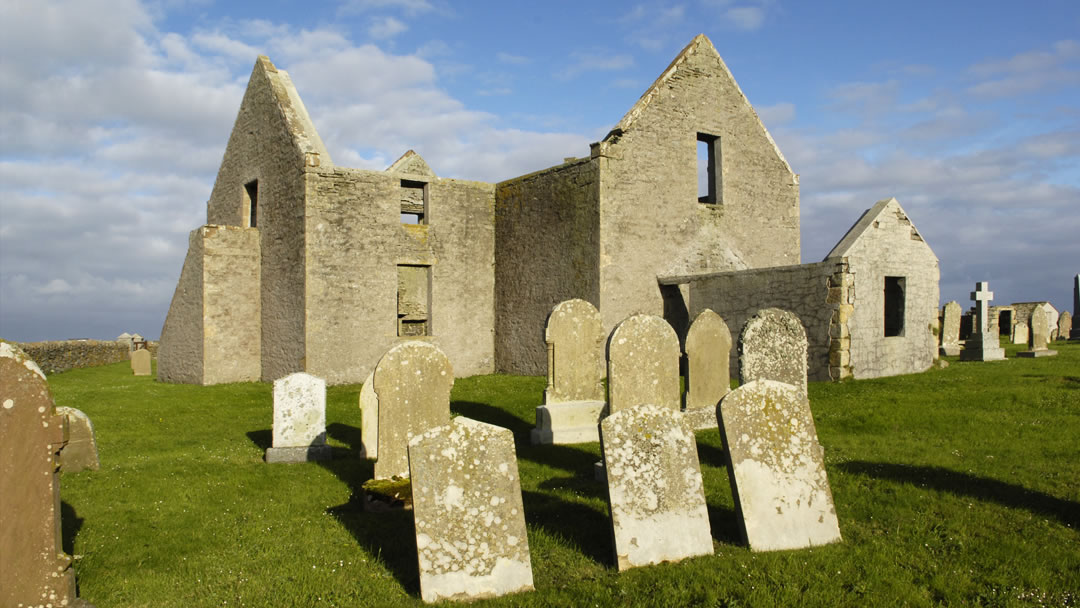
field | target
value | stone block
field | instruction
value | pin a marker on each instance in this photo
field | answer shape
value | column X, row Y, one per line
column 140, row 362
column 708, row 352
column 773, row 346
column 643, row 364
column 80, row 452
column 777, row 472
column 568, row 422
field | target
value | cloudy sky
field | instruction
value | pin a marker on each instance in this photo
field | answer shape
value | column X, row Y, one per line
column 114, row 116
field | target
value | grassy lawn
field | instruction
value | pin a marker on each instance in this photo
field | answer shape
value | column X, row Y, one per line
column 958, row 486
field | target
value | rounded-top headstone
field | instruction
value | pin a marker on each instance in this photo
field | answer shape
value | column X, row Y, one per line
column 708, row 352
column 575, row 338
column 1065, row 325
column 643, row 364
column 1040, row 329
column 773, row 346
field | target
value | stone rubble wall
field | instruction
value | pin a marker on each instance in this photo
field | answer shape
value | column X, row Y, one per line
column 57, row 356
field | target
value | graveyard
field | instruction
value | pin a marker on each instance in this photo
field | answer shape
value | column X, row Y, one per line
column 956, row 485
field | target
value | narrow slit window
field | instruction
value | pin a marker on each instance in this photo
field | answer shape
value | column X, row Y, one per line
column 251, row 203
column 414, row 202
column 894, row 306
column 710, row 169
column 414, row 301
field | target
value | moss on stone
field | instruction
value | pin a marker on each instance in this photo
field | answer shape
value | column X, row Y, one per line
column 395, row 492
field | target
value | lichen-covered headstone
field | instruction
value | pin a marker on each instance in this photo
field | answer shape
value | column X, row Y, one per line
column 80, row 452
column 369, row 419
column 412, row 384
column 657, row 502
column 140, row 362
column 777, row 467
column 1065, row 323
column 299, row 419
column 773, row 346
column 34, row 570
column 1039, row 335
column 950, row 329
column 471, row 540
column 574, row 397
column 708, row 379
column 643, row 364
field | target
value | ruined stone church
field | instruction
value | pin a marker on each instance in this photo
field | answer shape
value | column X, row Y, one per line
column 307, row 266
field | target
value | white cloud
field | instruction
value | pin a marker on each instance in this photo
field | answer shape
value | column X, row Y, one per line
column 746, row 17
column 408, row 7
column 1029, row 72
column 776, row 114
column 385, row 27
column 594, row 62
column 512, row 59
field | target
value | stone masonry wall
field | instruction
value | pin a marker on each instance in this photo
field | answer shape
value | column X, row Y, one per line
column 231, row 316
column 181, row 355
column 547, row 247
column 55, row 356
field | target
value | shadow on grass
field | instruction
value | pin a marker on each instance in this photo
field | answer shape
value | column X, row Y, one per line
column 70, row 524
column 582, row 526
column 725, row 525
column 493, row 415
column 262, row 439
column 712, row 455
column 963, row 484
column 347, row 434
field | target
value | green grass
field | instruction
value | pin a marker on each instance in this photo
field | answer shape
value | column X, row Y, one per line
column 958, row 486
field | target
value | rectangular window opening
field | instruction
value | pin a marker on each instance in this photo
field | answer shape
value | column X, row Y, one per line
column 414, row 202
column 414, row 301
column 894, row 306
column 710, row 169
column 251, row 203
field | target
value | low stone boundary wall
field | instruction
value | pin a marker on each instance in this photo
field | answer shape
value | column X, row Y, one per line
column 61, row 355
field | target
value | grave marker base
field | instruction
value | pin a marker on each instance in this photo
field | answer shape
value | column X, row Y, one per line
column 298, row 454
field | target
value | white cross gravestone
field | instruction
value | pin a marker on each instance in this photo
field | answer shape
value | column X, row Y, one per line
column 982, row 345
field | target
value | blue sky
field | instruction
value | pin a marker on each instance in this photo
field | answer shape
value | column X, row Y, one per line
column 114, row 116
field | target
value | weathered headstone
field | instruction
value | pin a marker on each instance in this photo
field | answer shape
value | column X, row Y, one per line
column 1040, row 335
column 299, row 419
column 1020, row 333
column 80, row 452
column 982, row 345
column 950, row 329
column 1065, row 322
column 471, row 540
column 643, row 364
column 655, row 494
column 369, row 419
column 777, row 467
column 773, row 346
column 34, row 570
column 412, row 384
column 574, row 397
column 1074, row 333
column 708, row 378
column 140, row 362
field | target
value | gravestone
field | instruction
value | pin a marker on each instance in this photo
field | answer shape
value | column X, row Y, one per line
column 574, row 398
column 1020, row 333
column 655, row 494
column 34, row 570
column 708, row 377
column 412, row 384
column 471, row 540
column 982, row 345
column 950, row 329
column 80, row 452
column 140, row 362
column 299, row 419
column 1074, row 333
column 773, row 346
column 643, row 364
column 1064, row 325
column 1040, row 335
column 369, row 419
column 777, row 468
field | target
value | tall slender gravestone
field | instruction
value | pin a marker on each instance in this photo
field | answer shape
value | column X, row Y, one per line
column 643, row 364
column 1040, row 335
column 34, row 570
column 708, row 378
column 1074, row 333
column 574, row 398
column 1065, row 323
column 471, row 540
column 412, row 384
column 982, row 345
column 299, row 419
column 369, row 419
column 773, row 346
column 950, row 329
column 777, row 468
column 657, row 502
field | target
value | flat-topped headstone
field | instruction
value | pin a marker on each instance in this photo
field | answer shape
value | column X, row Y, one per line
column 657, row 502
column 1020, row 333
column 982, row 345
column 140, row 362
column 369, row 419
column 80, row 452
column 643, row 364
column 299, row 419
column 1040, row 335
column 34, row 570
column 708, row 378
column 471, row 540
column 574, row 398
column 773, row 346
column 1065, row 323
column 950, row 329
column 412, row 384
column 777, row 472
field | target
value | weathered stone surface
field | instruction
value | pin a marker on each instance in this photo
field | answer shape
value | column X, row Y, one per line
column 643, row 364
column 1065, row 323
column 470, row 522
column 982, row 344
column 1074, row 334
column 1040, row 335
column 34, row 570
column 140, row 362
column 80, row 452
column 412, row 383
column 369, row 419
column 567, row 423
column 773, row 346
column 655, row 493
column 299, row 419
column 1020, row 333
column 777, row 471
column 950, row 329
column 708, row 348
